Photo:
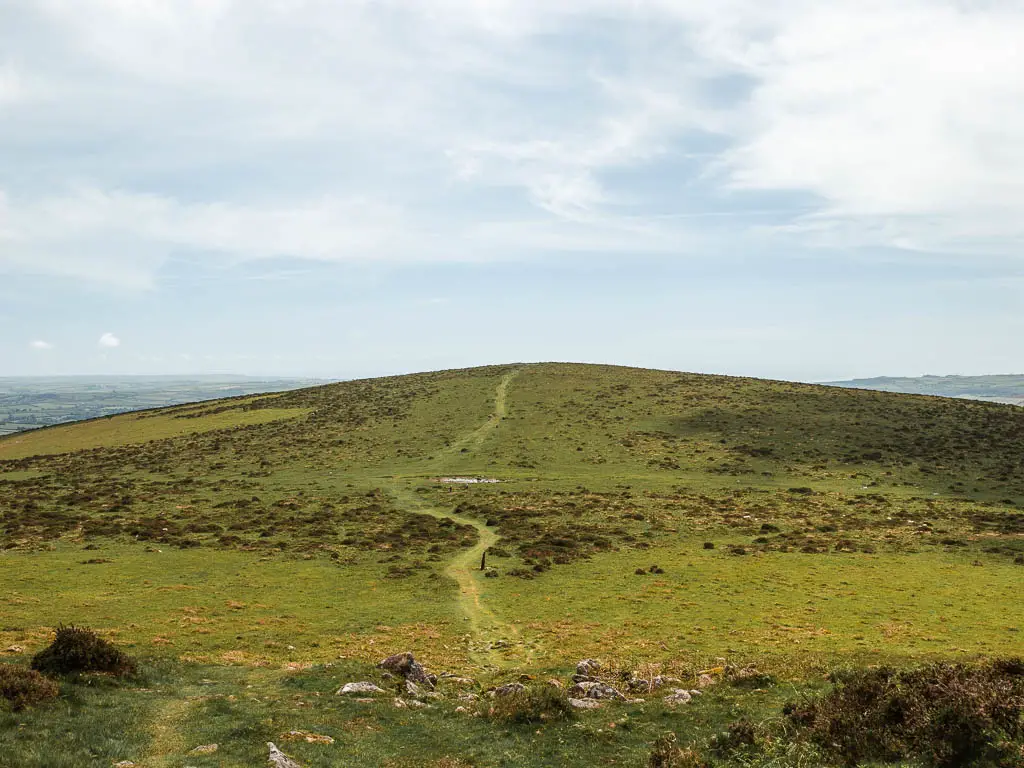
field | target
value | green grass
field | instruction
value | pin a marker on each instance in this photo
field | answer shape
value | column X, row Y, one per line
column 265, row 535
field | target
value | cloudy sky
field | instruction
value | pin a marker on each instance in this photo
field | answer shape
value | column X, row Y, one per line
column 802, row 189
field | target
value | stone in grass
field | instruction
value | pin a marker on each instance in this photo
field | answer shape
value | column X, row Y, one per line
column 405, row 664
column 678, row 696
column 508, row 689
column 362, row 688
column 279, row 759
column 205, row 749
column 584, row 703
column 594, row 690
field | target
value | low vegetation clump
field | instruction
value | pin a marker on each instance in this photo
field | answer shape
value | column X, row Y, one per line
column 666, row 753
column 21, row 688
column 533, row 704
column 77, row 649
column 943, row 715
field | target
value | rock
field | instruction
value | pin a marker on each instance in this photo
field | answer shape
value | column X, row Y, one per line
column 468, row 697
column 361, row 687
column 593, row 690
column 205, row 749
column 279, row 759
column 659, row 681
column 14, row 649
column 705, row 681
column 584, row 704
column 583, row 679
column 556, row 683
column 405, row 664
column 309, row 738
column 588, row 667
column 508, row 689
column 401, row 704
column 636, row 701
column 124, row 764
column 461, row 710
column 678, row 696
column 411, row 689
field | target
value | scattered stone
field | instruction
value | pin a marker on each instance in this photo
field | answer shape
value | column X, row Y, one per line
column 405, row 664
column 705, row 681
column 468, row 697
column 678, row 696
column 584, row 703
column 309, row 738
column 556, row 683
column 461, row 710
column 508, row 689
column 14, row 649
column 124, row 764
column 361, row 687
column 401, row 704
column 660, row 681
column 411, row 689
column 279, row 759
column 588, row 667
column 595, row 690
column 636, row 701
column 205, row 749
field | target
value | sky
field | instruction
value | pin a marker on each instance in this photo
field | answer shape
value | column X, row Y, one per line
column 801, row 189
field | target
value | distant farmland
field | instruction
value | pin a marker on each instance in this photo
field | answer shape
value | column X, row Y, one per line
column 33, row 402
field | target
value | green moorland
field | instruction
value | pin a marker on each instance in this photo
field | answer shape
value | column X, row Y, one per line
column 258, row 552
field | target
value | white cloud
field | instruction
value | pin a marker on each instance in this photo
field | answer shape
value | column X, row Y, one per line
column 40, row 345
column 109, row 341
column 402, row 131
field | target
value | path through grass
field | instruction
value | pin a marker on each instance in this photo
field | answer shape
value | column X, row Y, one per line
column 494, row 642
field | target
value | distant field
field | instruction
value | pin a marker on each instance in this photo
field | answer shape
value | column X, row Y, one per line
column 653, row 520
column 33, row 402
column 1008, row 388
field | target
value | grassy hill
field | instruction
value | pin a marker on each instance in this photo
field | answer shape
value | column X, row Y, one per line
column 646, row 518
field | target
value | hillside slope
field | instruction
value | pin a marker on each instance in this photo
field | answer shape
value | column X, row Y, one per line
column 848, row 502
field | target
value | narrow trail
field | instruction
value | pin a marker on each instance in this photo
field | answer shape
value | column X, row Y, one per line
column 166, row 739
column 495, row 642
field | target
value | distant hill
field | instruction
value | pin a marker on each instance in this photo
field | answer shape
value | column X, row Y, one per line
column 29, row 402
column 1003, row 388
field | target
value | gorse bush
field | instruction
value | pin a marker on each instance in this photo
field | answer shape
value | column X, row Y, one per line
column 942, row 715
column 534, row 704
column 77, row 649
column 20, row 687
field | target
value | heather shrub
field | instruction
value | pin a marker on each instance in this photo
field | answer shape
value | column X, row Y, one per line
column 942, row 715
column 77, row 649
column 21, row 688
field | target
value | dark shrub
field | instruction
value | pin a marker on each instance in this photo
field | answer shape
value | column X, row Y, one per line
column 534, row 704
column 943, row 715
column 77, row 649
column 20, row 687
column 738, row 736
